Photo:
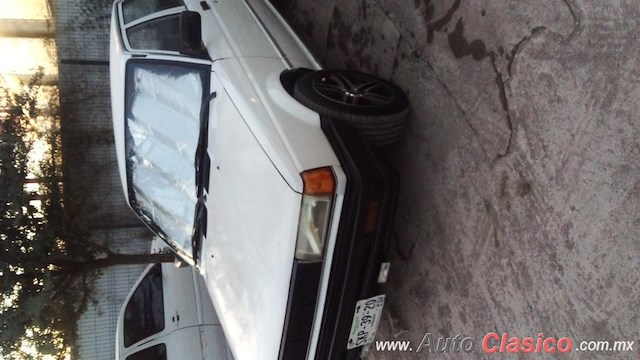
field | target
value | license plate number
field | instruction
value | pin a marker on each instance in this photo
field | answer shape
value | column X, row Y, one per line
column 365, row 321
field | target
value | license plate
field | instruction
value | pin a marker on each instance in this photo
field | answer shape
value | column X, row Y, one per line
column 365, row 321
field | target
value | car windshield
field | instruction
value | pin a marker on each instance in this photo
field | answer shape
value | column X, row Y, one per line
column 162, row 129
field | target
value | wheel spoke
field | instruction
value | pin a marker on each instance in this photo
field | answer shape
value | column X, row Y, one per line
column 328, row 87
column 330, row 90
column 353, row 89
column 374, row 99
column 368, row 86
column 374, row 92
column 347, row 84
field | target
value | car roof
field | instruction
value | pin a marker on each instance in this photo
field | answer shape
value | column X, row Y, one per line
column 117, row 62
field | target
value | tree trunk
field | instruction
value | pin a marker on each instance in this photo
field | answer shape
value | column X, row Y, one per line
column 131, row 259
column 71, row 266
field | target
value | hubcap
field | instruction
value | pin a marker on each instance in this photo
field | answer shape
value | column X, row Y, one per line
column 353, row 89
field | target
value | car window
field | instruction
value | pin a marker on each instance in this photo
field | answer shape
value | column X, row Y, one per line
column 135, row 9
column 157, row 352
column 158, row 34
column 144, row 313
column 164, row 101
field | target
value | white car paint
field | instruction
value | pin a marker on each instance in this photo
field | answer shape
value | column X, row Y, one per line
column 192, row 329
column 252, row 28
column 260, row 140
column 247, row 256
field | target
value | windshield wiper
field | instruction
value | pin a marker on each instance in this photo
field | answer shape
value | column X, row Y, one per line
column 202, row 164
column 199, row 228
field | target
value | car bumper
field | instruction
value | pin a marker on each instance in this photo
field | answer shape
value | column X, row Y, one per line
column 360, row 250
column 362, row 245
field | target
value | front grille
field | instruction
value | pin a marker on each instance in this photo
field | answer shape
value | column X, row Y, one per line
column 303, row 294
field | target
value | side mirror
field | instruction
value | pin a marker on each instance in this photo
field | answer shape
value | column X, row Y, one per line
column 191, row 31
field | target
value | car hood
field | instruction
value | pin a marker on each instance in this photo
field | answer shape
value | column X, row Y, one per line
column 247, row 255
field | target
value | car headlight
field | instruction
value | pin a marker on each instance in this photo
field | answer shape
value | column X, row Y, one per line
column 315, row 214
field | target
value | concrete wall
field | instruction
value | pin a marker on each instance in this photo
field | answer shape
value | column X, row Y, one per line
column 82, row 28
column 93, row 193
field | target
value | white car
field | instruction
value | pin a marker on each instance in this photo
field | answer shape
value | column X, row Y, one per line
column 168, row 315
column 254, row 164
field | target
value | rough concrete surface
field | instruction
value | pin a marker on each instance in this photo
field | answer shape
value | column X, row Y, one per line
column 520, row 196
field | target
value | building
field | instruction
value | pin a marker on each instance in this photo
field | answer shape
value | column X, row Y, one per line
column 92, row 183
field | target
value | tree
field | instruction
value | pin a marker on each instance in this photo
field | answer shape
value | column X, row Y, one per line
column 47, row 266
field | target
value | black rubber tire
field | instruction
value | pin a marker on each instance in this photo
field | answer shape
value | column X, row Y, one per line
column 377, row 108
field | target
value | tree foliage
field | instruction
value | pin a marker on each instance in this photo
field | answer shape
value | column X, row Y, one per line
column 47, row 263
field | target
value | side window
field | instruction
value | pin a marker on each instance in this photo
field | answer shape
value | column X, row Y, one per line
column 135, row 9
column 157, row 352
column 144, row 314
column 157, row 34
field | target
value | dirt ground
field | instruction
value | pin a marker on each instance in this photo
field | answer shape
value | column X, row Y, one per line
column 520, row 196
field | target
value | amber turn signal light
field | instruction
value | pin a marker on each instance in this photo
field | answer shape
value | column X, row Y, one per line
column 319, row 182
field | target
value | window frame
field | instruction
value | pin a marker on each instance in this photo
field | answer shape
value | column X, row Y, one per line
column 154, row 25
column 155, row 270
column 162, row 345
column 127, row 2
column 153, row 16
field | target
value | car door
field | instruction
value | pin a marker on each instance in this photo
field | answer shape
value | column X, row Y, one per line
column 143, row 316
column 154, row 25
column 168, row 303
column 213, row 36
column 178, row 345
column 162, row 302
column 180, row 297
column 234, row 26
